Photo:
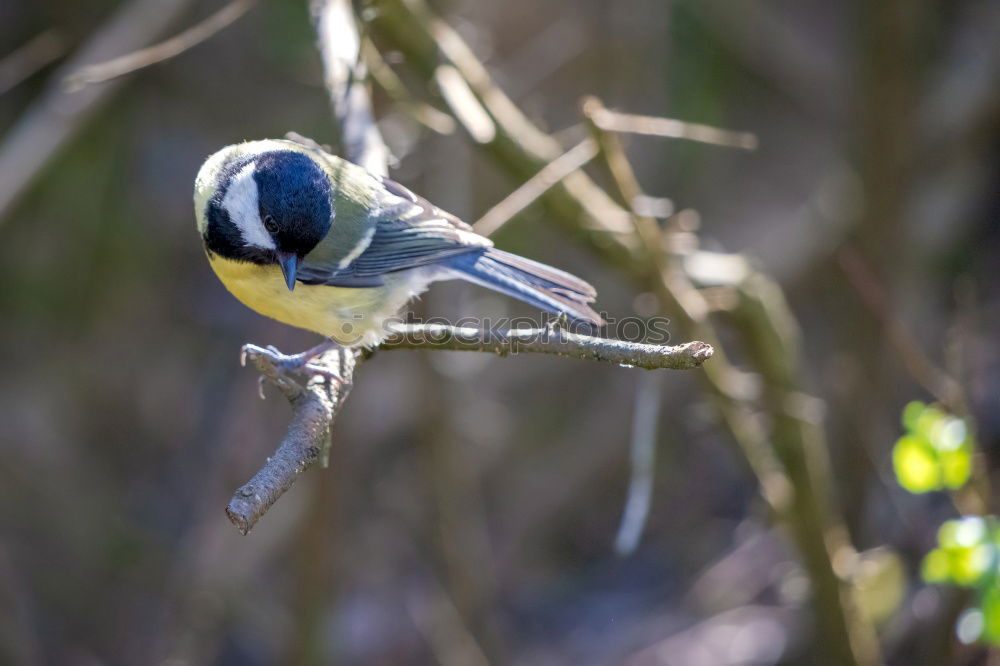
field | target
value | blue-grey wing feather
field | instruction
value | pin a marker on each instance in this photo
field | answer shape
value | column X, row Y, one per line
column 410, row 232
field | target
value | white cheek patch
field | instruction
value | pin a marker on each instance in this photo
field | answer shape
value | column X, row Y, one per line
column 243, row 206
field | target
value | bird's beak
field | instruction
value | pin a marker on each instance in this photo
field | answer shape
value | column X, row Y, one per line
column 289, row 262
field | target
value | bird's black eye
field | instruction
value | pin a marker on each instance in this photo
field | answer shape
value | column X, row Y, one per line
column 270, row 224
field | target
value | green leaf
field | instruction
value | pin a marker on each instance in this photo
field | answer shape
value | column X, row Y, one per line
column 956, row 468
column 969, row 564
column 916, row 465
column 929, row 423
column 936, row 451
column 911, row 414
column 936, row 567
column 990, row 605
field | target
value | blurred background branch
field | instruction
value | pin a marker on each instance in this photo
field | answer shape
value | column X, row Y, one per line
column 173, row 47
column 58, row 114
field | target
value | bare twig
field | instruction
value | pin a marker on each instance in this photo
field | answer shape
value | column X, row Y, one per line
column 316, row 404
column 57, row 115
column 926, row 373
column 463, row 103
column 389, row 81
column 340, row 47
column 614, row 121
column 428, row 42
column 553, row 340
column 314, row 407
column 551, row 174
column 645, row 418
column 24, row 61
column 438, row 619
column 165, row 50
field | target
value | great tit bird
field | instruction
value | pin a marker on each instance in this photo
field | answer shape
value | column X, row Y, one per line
column 314, row 241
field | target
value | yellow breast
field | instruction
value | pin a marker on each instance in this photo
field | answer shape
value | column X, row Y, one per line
column 351, row 316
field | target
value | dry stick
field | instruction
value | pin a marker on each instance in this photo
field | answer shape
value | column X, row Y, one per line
column 426, row 42
column 316, row 405
column 551, row 174
column 57, row 115
column 307, row 441
column 165, row 50
column 642, row 453
column 926, row 373
column 848, row 640
column 437, row 617
column 551, row 340
column 24, row 61
column 389, row 81
column 615, row 121
column 339, row 44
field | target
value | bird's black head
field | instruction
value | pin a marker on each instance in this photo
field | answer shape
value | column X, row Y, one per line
column 272, row 207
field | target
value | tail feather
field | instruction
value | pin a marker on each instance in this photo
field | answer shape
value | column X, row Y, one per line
column 537, row 284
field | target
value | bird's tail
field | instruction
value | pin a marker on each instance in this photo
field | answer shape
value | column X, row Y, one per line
column 544, row 287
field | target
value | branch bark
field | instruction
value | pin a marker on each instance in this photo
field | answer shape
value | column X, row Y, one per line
column 314, row 407
column 552, row 340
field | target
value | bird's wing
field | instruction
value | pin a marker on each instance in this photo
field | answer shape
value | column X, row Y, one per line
column 403, row 231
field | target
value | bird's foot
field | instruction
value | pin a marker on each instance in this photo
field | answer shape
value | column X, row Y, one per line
column 284, row 365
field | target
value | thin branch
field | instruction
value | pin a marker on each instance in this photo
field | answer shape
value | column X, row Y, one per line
column 551, row 174
column 339, row 44
column 447, row 633
column 57, row 115
column 934, row 379
column 642, row 454
column 315, row 405
column 551, row 340
column 464, row 105
column 307, row 441
column 615, row 121
column 389, row 81
column 24, row 61
column 427, row 42
column 165, row 50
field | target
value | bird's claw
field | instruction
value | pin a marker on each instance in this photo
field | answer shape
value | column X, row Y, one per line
column 289, row 364
column 326, row 373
